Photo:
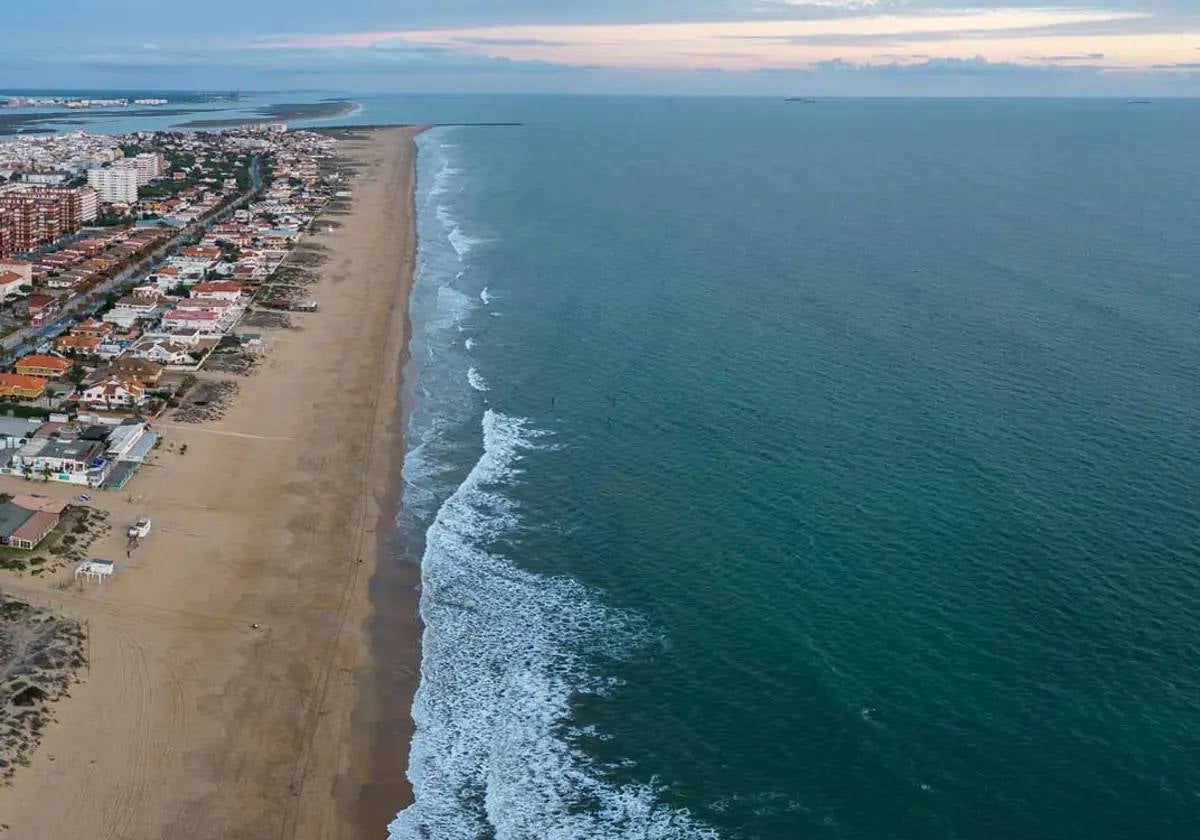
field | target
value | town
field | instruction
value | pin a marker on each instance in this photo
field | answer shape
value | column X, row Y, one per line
column 72, row 102
column 129, row 265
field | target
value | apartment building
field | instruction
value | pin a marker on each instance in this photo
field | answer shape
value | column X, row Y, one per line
column 115, row 183
column 35, row 214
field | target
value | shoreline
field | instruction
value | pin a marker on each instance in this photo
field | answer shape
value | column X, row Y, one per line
column 382, row 723
column 236, row 687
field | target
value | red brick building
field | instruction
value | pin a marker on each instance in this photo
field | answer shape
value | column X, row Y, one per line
column 35, row 214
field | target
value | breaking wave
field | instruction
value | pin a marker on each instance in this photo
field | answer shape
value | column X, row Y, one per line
column 500, row 665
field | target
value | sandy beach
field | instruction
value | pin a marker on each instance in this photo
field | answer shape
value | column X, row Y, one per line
column 189, row 721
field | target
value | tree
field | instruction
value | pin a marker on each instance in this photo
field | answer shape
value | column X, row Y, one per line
column 76, row 375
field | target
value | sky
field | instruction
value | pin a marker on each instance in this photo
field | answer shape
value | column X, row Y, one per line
column 762, row 47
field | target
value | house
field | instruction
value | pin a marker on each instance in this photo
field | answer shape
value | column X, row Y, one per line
column 41, row 365
column 22, row 267
column 41, row 308
column 16, row 386
column 166, row 352
column 91, row 328
column 15, row 431
column 74, row 461
column 10, row 284
column 191, row 336
column 198, row 257
column 219, row 290
column 77, row 345
column 111, row 348
column 165, row 279
column 144, row 371
column 67, row 281
column 208, row 323
column 114, row 392
column 42, row 516
column 33, row 530
column 129, row 310
column 218, row 305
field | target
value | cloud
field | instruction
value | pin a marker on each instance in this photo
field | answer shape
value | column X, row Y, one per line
column 393, row 57
column 668, row 45
column 1096, row 56
column 975, row 66
column 513, row 42
column 860, row 31
column 936, row 66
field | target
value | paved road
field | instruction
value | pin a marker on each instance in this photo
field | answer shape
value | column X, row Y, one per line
column 26, row 339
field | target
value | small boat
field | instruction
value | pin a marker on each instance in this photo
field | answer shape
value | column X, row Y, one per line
column 139, row 529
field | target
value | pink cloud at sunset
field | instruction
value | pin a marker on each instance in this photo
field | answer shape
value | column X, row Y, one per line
column 1114, row 39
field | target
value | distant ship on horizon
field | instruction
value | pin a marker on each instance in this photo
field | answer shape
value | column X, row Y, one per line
column 803, row 99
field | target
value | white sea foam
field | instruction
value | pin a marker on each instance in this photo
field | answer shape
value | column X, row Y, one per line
column 453, row 307
column 494, row 750
column 469, row 343
column 500, row 666
column 443, row 178
column 447, row 173
column 459, row 240
column 476, row 379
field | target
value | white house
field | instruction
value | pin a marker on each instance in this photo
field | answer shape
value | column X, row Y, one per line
column 10, row 284
column 207, row 323
column 129, row 310
column 188, row 271
column 164, row 279
column 123, row 439
column 72, row 461
column 63, row 281
column 110, row 349
column 114, row 392
column 170, row 353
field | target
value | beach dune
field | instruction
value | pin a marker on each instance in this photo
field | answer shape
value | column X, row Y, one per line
column 190, row 721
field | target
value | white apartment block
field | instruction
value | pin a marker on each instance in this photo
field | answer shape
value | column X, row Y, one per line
column 115, row 183
column 89, row 204
column 148, row 165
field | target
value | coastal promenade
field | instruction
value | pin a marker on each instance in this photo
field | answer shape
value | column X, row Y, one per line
column 228, row 687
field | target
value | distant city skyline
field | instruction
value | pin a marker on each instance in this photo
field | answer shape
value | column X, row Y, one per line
column 816, row 47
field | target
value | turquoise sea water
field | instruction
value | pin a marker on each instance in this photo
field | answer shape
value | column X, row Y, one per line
column 792, row 471
column 805, row 471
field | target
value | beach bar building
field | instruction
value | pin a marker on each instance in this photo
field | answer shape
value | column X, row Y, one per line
column 73, row 461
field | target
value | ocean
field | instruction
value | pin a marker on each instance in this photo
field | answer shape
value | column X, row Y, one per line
column 806, row 471
column 784, row 470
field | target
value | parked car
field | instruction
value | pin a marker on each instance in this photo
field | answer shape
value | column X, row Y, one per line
column 140, row 529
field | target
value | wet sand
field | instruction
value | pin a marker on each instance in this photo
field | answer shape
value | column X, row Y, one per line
column 191, row 722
